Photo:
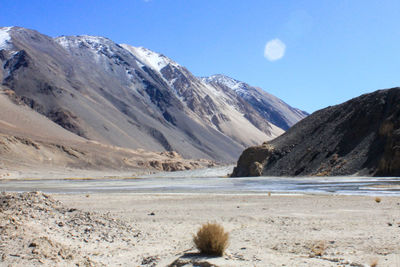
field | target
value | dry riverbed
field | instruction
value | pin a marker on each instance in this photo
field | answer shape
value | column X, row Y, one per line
column 156, row 229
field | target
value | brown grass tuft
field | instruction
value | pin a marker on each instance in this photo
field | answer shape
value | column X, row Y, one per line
column 211, row 239
column 378, row 199
column 374, row 263
column 318, row 249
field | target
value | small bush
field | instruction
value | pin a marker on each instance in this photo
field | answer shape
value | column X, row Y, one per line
column 211, row 239
column 374, row 263
column 318, row 249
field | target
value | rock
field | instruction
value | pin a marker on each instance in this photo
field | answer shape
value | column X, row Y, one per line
column 171, row 154
column 256, row 168
column 150, row 261
column 358, row 137
column 156, row 164
column 249, row 163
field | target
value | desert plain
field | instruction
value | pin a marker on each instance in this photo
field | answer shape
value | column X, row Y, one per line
column 148, row 229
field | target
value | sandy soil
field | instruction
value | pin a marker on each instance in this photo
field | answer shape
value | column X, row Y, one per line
column 157, row 229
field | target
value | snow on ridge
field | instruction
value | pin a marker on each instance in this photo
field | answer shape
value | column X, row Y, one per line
column 220, row 78
column 238, row 86
column 93, row 41
column 146, row 57
column 150, row 58
column 7, row 29
column 63, row 41
column 5, row 38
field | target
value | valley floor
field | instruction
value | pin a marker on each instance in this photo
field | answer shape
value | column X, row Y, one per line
column 276, row 230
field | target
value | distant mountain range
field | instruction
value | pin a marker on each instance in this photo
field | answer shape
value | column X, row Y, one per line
column 132, row 97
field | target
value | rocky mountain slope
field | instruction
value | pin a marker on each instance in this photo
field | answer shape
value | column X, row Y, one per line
column 268, row 106
column 129, row 97
column 360, row 136
column 32, row 145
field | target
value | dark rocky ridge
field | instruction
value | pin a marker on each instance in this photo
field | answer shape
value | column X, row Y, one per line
column 358, row 137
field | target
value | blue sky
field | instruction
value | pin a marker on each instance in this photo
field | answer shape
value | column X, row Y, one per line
column 334, row 50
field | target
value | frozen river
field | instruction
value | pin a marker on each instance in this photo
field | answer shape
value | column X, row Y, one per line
column 212, row 181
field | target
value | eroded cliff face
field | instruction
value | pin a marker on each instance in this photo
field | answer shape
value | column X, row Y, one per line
column 358, row 137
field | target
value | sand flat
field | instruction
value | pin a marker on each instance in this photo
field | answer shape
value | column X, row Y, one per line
column 265, row 231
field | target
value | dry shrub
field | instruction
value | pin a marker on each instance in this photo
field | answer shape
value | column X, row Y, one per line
column 323, row 173
column 318, row 249
column 374, row 263
column 378, row 199
column 211, row 239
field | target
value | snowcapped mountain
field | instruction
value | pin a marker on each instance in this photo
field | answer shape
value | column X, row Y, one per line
column 269, row 107
column 217, row 107
column 131, row 96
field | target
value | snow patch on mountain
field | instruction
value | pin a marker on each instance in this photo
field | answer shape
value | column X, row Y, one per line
column 5, row 38
column 96, row 44
column 63, row 41
column 239, row 87
column 150, row 58
column 100, row 46
column 82, row 40
column 222, row 79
